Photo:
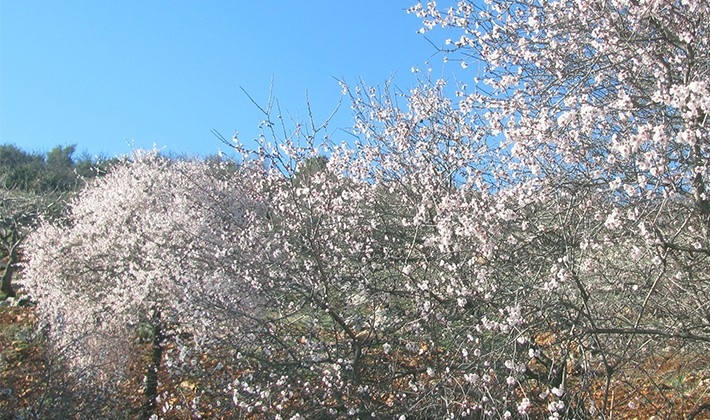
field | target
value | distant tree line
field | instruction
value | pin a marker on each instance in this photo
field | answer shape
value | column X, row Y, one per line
column 55, row 171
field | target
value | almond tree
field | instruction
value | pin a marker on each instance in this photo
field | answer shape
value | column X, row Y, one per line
column 137, row 251
column 601, row 106
column 377, row 265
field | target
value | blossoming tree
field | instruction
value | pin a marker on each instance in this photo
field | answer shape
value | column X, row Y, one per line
column 601, row 106
column 139, row 250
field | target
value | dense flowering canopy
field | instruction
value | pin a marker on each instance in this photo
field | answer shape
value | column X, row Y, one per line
column 143, row 239
column 612, row 92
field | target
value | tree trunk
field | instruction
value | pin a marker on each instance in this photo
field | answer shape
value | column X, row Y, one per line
column 700, row 193
column 156, row 355
column 6, row 270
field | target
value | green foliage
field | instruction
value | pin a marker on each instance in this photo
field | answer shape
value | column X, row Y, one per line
column 59, row 169
column 18, row 169
column 56, row 171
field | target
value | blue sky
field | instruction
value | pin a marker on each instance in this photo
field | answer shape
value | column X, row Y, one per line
column 112, row 75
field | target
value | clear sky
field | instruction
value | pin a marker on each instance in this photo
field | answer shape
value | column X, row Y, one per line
column 112, row 75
